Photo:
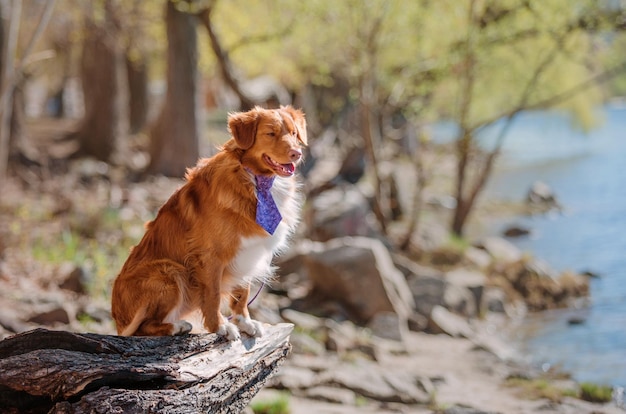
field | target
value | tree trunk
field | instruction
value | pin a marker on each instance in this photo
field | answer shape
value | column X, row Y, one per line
column 44, row 371
column 7, row 86
column 137, row 74
column 105, row 122
column 174, row 135
column 461, row 211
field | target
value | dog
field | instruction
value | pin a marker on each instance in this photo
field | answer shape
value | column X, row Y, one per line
column 218, row 233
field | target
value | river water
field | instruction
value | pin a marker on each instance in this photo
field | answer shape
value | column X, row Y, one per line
column 587, row 172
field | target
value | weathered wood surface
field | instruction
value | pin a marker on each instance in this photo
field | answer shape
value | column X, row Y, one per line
column 44, row 371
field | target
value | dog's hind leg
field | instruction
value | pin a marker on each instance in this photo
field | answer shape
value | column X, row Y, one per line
column 164, row 302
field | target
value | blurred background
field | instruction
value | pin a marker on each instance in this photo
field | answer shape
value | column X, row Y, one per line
column 476, row 136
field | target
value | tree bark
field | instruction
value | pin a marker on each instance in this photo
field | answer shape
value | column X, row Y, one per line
column 137, row 74
column 105, row 123
column 174, row 135
column 44, row 371
column 6, row 92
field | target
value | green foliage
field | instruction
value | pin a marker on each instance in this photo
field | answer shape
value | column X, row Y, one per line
column 419, row 48
column 595, row 393
column 540, row 388
column 457, row 243
column 278, row 405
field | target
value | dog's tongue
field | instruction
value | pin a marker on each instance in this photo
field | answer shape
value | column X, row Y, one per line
column 289, row 168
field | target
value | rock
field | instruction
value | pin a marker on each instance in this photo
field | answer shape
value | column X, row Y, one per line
column 471, row 281
column 332, row 394
column 11, row 322
column 591, row 274
column 266, row 314
column 460, row 300
column 364, row 379
column 52, row 317
column 312, row 362
column 573, row 285
column 373, row 381
column 292, row 377
column 411, row 269
column 501, row 250
column 495, row 300
column 516, row 231
column 539, row 286
column 465, row 410
column 359, row 273
column 417, row 322
column 443, row 321
column 341, row 212
column 305, row 344
column 75, row 281
column 493, row 343
column 428, row 292
column 342, row 337
column 387, row 325
column 541, row 194
column 302, row 320
column 96, row 312
column 353, row 165
column 576, row 320
column 477, row 257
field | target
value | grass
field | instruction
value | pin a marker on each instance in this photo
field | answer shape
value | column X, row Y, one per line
column 457, row 243
column 276, row 405
column 544, row 388
column 595, row 393
column 536, row 389
column 98, row 242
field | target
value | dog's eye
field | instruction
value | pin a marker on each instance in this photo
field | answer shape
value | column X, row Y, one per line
column 271, row 134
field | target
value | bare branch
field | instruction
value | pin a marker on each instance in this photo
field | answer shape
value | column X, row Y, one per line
column 13, row 74
column 262, row 38
column 223, row 59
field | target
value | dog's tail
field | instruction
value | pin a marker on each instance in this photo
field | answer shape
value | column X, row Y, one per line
column 132, row 327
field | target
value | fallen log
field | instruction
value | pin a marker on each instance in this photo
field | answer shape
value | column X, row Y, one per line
column 43, row 371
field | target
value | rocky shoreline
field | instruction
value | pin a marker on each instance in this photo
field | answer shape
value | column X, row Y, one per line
column 454, row 356
column 376, row 331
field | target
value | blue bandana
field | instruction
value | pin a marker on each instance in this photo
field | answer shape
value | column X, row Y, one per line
column 267, row 214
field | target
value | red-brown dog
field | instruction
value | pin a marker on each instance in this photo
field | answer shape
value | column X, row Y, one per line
column 218, row 233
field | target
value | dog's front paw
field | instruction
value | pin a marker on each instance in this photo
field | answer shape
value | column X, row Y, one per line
column 181, row 327
column 249, row 326
column 229, row 330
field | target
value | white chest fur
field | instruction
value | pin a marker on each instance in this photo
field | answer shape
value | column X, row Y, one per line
column 253, row 260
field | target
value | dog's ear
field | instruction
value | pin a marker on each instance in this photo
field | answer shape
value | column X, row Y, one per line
column 242, row 126
column 298, row 118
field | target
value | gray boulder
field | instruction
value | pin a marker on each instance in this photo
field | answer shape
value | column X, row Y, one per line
column 341, row 212
column 428, row 292
column 501, row 250
column 443, row 321
column 359, row 273
column 467, row 286
column 374, row 381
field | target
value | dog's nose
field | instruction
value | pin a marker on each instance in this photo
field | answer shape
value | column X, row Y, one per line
column 295, row 155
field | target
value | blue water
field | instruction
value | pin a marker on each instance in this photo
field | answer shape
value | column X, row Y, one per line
column 588, row 174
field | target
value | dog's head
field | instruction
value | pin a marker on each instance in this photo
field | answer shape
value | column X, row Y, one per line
column 271, row 139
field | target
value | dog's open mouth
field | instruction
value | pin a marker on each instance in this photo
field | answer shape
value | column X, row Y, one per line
column 285, row 170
